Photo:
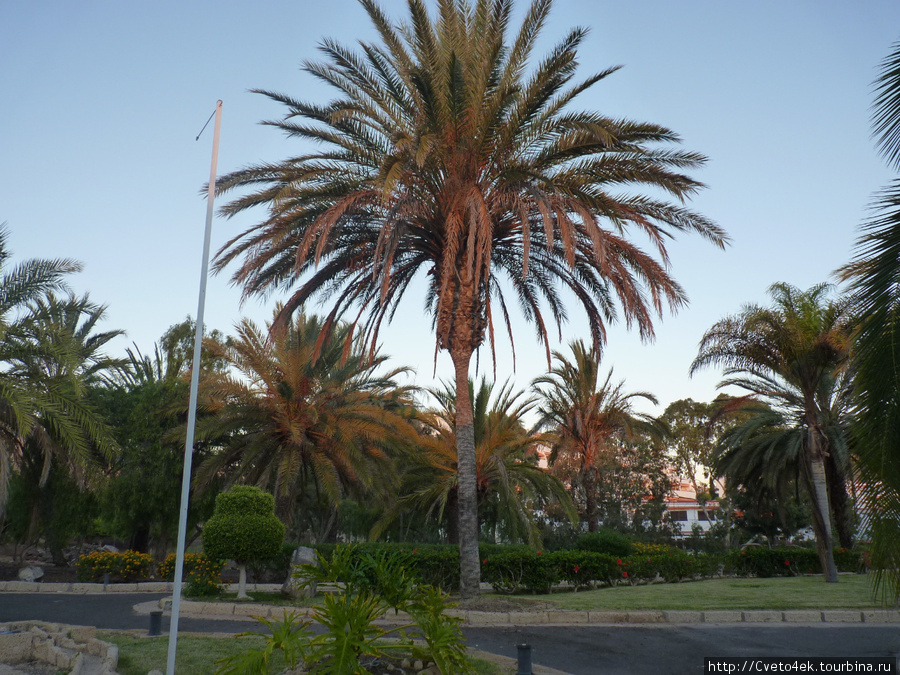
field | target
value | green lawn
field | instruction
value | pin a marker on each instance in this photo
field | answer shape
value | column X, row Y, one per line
column 806, row 592
column 198, row 655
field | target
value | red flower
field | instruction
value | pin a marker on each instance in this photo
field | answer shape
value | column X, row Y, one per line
column 618, row 561
column 540, row 552
column 625, row 574
column 484, row 562
column 415, row 550
column 787, row 562
column 577, row 568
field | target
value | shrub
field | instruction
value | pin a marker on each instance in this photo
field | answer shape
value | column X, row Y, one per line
column 605, row 541
column 766, row 562
column 583, row 568
column 202, row 574
column 519, row 570
column 125, row 566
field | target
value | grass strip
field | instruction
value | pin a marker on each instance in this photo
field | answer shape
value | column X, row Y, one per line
column 784, row 593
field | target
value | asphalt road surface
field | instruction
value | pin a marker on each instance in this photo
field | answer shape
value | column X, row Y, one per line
column 580, row 650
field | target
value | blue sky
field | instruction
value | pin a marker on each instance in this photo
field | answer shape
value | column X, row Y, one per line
column 102, row 101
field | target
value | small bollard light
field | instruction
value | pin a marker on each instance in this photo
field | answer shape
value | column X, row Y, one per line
column 106, row 581
column 155, row 623
column 524, row 660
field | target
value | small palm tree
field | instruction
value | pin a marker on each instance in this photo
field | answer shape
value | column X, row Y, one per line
column 788, row 355
column 585, row 417
column 512, row 488
column 299, row 407
column 443, row 158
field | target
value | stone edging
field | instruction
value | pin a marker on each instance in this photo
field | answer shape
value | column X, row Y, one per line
column 73, row 649
column 82, row 588
column 569, row 617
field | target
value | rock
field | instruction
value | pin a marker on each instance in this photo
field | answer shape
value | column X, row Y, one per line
column 109, row 548
column 303, row 555
column 31, row 573
column 418, row 665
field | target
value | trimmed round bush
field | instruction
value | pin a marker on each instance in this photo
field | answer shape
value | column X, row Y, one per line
column 243, row 528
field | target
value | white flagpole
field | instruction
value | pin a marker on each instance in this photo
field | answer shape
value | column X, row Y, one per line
column 192, row 405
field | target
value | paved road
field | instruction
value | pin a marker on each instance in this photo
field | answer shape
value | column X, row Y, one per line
column 580, row 650
column 676, row 649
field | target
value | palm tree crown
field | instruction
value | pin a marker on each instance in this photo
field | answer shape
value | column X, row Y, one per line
column 299, row 410
column 443, row 157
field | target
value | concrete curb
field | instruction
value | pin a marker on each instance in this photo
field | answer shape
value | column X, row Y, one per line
column 83, row 589
column 558, row 617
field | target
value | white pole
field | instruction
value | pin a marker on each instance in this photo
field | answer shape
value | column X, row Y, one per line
column 192, row 405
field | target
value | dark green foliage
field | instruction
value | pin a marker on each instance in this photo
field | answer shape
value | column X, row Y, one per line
column 57, row 511
column 584, row 568
column 244, row 526
column 517, row 571
column 606, row 541
column 773, row 562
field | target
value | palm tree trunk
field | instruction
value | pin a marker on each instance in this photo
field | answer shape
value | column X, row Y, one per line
column 469, row 563
column 841, row 508
column 590, row 498
column 822, row 519
column 819, row 494
column 453, row 518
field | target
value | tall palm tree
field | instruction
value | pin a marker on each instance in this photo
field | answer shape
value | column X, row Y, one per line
column 444, row 157
column 511, row 484
column 586, row 417
column 874, row 273
column 299, row 407
column 788, row 355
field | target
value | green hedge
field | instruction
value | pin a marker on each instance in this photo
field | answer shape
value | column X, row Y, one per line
column 520, row 569
column 773, row 562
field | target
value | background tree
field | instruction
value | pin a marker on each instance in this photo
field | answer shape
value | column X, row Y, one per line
column 691, row 437
column 145, row 401
column 443, row 155
column 874, row 273
column 788, row 355
column 586, row 419
column 243, row 528
column 303, row 412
